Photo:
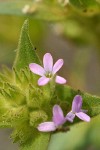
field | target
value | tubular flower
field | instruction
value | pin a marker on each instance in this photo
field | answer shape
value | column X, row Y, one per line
column 77, row 111
column 49, row 71
column 57, row 121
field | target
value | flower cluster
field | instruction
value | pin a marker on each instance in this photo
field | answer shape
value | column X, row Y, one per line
column 48, row 73
column 58, row 117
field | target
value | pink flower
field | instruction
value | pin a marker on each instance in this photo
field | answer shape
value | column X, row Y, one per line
column 57, row 121
column 77, row 111
column 49, row 71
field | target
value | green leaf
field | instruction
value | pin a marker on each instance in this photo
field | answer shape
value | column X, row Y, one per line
column 14, row 116
column 50, row 10
column 90, row 102
column 26, row 52
column 22, row 133
column 80, row 137
column 36, row 117
column 86, row 6
column 40, row 143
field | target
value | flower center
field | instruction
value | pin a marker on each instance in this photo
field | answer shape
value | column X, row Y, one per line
column 59, row 127
column 48, row 74
column 73, row 112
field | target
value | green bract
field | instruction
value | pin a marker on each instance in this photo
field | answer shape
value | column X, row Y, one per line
column 23, row 104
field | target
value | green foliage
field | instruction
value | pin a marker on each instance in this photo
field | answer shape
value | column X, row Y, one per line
column 86, row 6
column 57, row 11
column 25, row 50
column 90, row 103
column 49, row 11
column 23, row 104
column 81, row 136
column 21, row 100
column 41, row 142
column 78, row 20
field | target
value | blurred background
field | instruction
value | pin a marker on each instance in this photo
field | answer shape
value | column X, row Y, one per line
column 76, row 40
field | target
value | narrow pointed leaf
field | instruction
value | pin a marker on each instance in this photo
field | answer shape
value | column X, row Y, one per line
column 25, row 51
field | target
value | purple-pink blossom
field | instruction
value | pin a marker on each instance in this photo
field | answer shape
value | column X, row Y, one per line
column 77, row 110
column 48, row 71
column 57, row 121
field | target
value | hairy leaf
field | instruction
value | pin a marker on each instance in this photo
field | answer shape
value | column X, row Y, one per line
column 40, row 143
column 25, row 53
column 90, row 102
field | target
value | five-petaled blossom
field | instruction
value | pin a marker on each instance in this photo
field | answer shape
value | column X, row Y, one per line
column 49, row 71
column 77, row 111
column 57, row 121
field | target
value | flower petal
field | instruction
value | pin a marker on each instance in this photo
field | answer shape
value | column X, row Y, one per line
column 70, row 116
column 77, row 104
column 37, row 69
column 48, row 62
column 83, row 116
column 58, row 116
column 60, row 80
column 46, row 127
column 59, row 63
column 43, row 80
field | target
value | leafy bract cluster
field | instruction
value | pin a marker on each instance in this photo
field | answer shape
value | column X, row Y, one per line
column 21, row 103
column 24, row 105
